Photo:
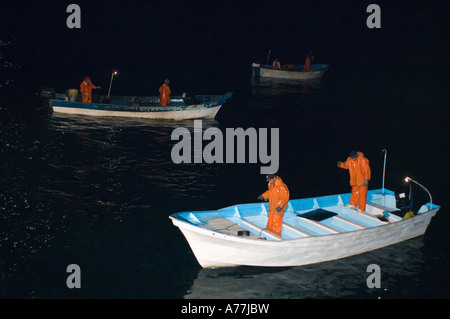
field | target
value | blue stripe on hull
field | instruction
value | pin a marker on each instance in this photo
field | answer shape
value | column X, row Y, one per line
column 124, row 105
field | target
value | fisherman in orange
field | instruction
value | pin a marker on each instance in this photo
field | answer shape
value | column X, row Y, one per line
column 308, row 60
column 86, row 90
column 278, row 197
column 164, row 93
column 276, row 65
column 359, row 170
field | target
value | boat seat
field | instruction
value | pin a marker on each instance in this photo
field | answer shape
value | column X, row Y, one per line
column 351, row 222
column 383, row 208
column 226, row 226
column 260, row 230
column 296, row 230
column 377, row 211
column 320, row 225
column 373, row 217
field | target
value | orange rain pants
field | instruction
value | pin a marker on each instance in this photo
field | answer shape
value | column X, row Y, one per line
column 86, row 91
column 307, row 64
column 278, row 196
column 359, row 197
column 164, row 95
column 359, row 170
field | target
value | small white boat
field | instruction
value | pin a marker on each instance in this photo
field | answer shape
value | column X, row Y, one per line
column 295, row 73
column 314, row 230
column 197, row 106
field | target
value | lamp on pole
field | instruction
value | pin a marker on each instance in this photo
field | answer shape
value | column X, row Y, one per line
column 407, row 179
column 110, row 83
column 384, row 175
column 384, row 169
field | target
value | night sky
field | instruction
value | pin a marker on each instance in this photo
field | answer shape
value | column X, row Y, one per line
column 195, row 42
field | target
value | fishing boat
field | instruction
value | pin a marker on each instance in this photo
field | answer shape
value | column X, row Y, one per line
column 314, row 230
column 293, row 72
column 180, row 108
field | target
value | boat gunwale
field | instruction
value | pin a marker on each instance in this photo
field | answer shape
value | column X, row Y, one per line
column 132, row 108
column 288, row 242
column 180, row 219
column 380, row 192
column 218, row 102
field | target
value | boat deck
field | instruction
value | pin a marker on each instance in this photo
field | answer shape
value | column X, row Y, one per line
column 318, row 216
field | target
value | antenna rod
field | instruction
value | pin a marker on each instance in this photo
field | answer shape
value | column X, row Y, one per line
column 384, row 169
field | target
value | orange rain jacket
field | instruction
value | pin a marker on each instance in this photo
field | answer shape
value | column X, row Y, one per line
column 164, row 95
column 307, row 64
column 86, row 91
column 278, row 196
column 359, row 170
column 276, row 65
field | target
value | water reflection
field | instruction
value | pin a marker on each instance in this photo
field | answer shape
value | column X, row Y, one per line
column 65, row 176
column 269, row 86
column 8, row 68
column 345, row 278
column 128, row 158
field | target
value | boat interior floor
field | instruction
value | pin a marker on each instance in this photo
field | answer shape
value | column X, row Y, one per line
column 296, row 223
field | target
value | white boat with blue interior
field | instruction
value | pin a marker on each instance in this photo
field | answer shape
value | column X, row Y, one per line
column 314, row 230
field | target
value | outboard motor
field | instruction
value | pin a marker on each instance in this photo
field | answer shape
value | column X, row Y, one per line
column 404, row 202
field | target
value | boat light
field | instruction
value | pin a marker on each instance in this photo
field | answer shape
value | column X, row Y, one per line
column 110, row 82
column 407, row 179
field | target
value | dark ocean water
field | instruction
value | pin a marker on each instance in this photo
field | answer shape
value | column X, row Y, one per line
column 97, row 192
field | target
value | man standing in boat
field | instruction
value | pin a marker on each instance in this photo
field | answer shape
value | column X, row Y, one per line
column 164, row 93
column 308, row 60
column 86, row 90
column 276, row 65
column 278, row 197
column 359, row 170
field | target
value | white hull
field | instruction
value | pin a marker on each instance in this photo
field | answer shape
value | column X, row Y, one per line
column 293, row 75
column 297, row 73
column 172, row 115
column 219, row 250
